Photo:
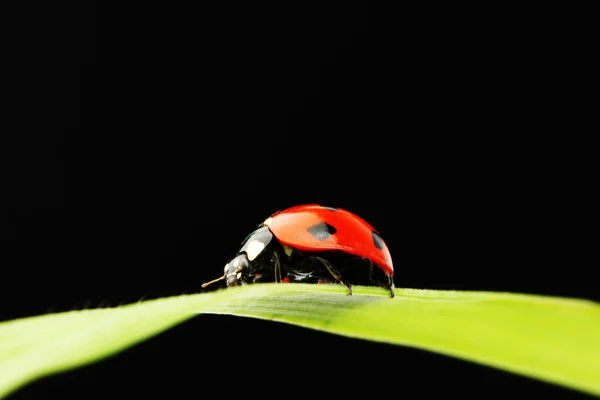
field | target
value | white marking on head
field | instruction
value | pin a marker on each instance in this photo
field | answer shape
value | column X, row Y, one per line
column 236, row 262
column 253, row 249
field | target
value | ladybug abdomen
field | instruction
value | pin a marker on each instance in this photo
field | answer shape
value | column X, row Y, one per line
column 317, row 228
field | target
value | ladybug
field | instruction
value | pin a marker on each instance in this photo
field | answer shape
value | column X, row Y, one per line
column 312, row 243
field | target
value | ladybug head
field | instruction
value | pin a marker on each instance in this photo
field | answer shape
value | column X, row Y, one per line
column 236, row 270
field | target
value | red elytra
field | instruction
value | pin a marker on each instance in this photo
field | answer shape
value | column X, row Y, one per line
column 353, row 234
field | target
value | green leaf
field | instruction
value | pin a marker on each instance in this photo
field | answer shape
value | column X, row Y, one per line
column 552, row 339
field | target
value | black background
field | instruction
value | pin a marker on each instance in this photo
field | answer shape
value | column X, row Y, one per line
column 146, row 145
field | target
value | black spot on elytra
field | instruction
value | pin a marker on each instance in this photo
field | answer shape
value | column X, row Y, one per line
column 329, row 208
column 377, row 240
column 322, row 230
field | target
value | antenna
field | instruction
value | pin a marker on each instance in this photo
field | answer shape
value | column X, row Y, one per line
column 213, row 281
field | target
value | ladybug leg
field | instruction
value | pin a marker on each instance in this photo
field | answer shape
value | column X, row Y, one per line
column 271, row 272
column 389, row 285
column 335, row 273
column 277, row 267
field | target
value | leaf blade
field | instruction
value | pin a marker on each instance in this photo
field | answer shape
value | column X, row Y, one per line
column 539, row 337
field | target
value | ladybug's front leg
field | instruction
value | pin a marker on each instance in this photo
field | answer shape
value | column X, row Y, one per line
column 335, row 273
column 276, row 266
column 268, row 269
